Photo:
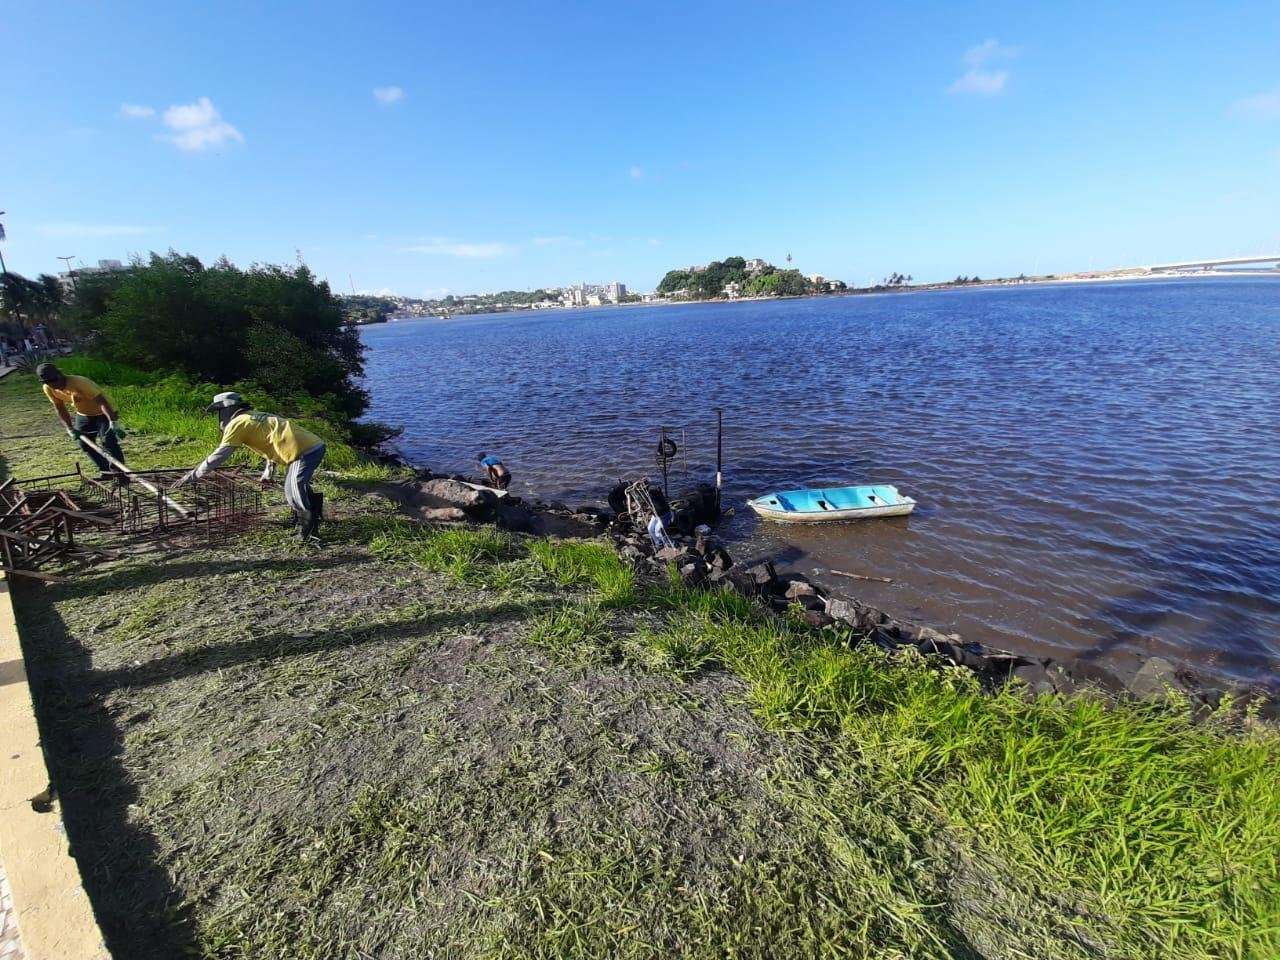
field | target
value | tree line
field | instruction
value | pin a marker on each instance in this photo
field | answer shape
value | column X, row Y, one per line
column 711, row 280
column 275, row 327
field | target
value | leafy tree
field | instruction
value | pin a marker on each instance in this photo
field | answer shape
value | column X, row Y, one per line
column 792, row 283
column 673, row 281
column 275, row 326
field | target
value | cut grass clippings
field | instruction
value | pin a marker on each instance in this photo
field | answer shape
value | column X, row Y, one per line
column 459, row 742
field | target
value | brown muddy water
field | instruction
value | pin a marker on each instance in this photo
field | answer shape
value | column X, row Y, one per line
column 1097, row 465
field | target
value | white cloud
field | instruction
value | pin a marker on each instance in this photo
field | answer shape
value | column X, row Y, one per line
column 380, row 292
column 987, row 51
column 443, row 247
column 388, row 94
column 66, row 231
column 556, row 242
column 136, row 112
column 655, row 242
column 980, row 78
column 982, row 82
column 637, row 173
column 1261, row 106
column 198, row 126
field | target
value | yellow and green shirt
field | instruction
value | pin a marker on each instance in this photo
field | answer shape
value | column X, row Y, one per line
column 278, row 439
column 80, row 393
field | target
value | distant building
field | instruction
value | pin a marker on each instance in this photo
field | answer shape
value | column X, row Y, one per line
column 755, row 265
column 67, row 277
column 733, row 289
column 616, row 291
column 594, row 300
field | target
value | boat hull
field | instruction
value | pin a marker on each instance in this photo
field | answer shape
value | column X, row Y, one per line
column 836, row 505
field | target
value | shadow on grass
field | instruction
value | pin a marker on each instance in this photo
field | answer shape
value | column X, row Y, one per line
column 134, row 576
column 301, row 642
column 131, row 894
column 141, row 913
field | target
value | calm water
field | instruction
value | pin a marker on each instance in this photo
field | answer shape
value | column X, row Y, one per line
column 1097, row 466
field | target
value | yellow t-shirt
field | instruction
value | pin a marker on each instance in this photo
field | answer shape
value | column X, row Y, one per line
column 277, row 439
column 84, row 396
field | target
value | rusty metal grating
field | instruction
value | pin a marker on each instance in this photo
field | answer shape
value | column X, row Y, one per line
column 41, row 517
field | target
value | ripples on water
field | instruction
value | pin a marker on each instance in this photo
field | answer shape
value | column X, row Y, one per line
column 1097, row 466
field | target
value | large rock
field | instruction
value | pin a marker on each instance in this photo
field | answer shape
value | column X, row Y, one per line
column 693, row 574
column 443, row 513
column 762, row 574
column 445, row 493
column 513, row 517
column 818, row 619
column 798, row 587
column 1155, row 680
column 844, row 610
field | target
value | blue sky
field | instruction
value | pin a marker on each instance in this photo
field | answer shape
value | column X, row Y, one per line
column 421, row 148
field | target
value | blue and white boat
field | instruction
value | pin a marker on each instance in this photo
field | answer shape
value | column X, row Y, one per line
column 832, row 504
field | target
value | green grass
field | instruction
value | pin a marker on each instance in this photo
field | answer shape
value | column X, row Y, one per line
column 903, row 811
column 168, row 426
column 467, row 555
column 575, row 563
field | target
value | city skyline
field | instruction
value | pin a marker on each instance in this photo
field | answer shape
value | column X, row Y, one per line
column 442, row 150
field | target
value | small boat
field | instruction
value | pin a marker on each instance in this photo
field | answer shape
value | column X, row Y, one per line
column 833, row 504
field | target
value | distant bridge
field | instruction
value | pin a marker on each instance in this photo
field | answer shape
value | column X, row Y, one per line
column 1210, row 264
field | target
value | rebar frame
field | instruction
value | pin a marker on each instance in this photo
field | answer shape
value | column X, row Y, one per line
column 40, row 516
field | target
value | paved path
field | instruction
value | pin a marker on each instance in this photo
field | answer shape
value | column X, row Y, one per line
column 10, row 942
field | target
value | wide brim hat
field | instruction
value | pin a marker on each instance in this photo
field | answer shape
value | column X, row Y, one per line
column 224, row 401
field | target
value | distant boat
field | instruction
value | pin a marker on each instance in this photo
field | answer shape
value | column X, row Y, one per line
column 832, row 504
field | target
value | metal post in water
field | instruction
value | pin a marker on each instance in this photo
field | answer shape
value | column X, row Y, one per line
column 662, row 459
column 719, row 452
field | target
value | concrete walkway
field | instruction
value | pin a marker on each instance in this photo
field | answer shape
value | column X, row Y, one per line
column 41, row 888
column 10, row 942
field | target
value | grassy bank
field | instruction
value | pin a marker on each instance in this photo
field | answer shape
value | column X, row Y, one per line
column 165, row 416
column 453, row 742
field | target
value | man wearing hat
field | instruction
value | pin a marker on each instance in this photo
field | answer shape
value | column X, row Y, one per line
column 280, row 441
column 90, row 417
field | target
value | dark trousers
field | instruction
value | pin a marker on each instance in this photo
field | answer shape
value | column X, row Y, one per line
column 97, row 429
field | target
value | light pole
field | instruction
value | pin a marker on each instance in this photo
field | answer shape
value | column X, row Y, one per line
column 70, row 273
column 3, row 268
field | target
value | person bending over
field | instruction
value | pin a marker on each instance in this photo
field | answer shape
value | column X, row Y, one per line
column 280, row 441
column 497, row 475
column 90, row 415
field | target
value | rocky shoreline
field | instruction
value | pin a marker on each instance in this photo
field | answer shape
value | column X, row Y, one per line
column 701, row 561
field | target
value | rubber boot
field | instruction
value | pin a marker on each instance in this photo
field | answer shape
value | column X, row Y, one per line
column 309, row 522
column 311, row 518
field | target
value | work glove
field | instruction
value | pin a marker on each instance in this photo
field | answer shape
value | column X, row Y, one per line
column 118, row 430
column 181, row 481
column 73, row 433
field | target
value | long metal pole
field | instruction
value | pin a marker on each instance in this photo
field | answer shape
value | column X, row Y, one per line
column 662, row 458
column 719, row 451
column 135, row 478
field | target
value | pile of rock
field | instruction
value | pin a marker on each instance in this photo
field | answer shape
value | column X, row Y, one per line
column 699, row 561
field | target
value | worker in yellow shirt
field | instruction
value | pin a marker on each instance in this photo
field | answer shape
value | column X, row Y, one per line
column 86, row 413
column 280, row 441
